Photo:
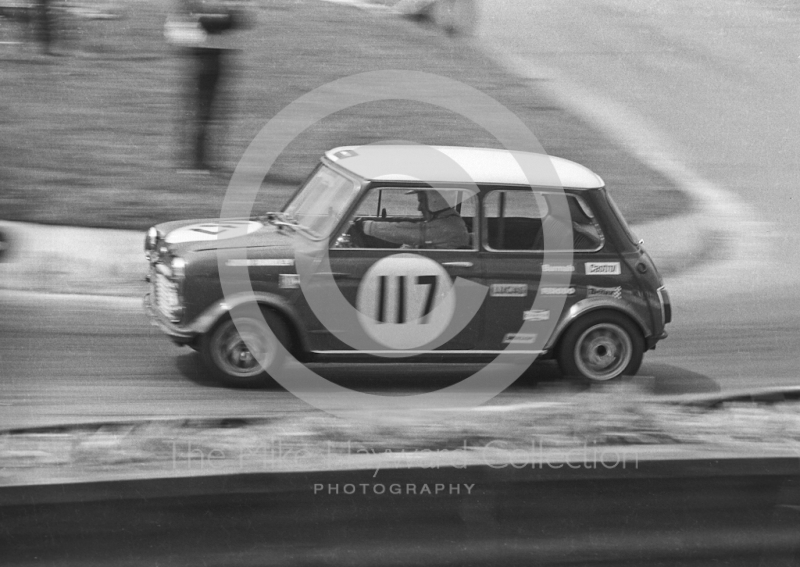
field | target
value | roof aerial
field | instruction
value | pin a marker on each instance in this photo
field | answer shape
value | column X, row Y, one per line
column 462, row 164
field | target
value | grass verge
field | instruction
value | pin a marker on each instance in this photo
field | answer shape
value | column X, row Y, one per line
column 603, row 425
column 90, row 138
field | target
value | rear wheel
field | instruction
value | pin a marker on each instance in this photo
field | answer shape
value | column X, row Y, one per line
column 600, row 347
column 234, row 352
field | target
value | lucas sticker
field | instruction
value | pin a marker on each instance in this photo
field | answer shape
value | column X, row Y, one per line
column 508, row 290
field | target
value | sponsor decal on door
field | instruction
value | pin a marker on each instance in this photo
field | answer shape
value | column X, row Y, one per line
column 603, row 268
column 536, row 315
column 519, row 338
column 508, row 290
column 615, row 292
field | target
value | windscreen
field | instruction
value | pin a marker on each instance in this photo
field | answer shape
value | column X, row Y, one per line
column 323, row 200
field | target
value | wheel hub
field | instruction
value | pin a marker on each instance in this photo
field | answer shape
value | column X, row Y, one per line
column 603, row 351
column 238, row 353
column 245, row 357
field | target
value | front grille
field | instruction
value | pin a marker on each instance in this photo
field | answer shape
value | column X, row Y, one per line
column 165, row 293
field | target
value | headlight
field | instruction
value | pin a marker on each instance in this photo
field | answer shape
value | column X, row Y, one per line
column 666, row 305
column 178, row 267
column 150, row 241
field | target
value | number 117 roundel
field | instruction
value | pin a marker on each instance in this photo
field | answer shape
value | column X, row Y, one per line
column 400, row 248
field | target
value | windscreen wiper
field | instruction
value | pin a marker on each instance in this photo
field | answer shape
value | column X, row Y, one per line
column 285, row 220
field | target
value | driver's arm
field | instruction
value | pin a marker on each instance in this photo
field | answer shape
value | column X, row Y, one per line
column 405, row 232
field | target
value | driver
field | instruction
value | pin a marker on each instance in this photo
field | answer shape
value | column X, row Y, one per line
column 440, row 226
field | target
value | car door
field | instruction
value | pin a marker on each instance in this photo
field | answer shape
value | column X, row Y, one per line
column 407, row 298
column 513, row 253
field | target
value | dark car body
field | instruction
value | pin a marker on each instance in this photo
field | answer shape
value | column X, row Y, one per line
column 614, row 289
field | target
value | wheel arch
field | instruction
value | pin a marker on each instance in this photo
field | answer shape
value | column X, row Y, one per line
column 212, row 315
column 592, row 305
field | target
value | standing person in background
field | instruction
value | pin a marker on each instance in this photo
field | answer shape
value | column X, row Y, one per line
column 205, row 32
column 44, row 26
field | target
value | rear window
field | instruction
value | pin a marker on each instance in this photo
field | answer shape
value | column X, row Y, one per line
column 626, row 229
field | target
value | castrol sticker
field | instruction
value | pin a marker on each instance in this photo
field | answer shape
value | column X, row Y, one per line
column 405, row 301
column 603, row 268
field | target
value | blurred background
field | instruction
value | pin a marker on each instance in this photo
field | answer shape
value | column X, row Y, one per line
column 688, row 113
column 119, row 114
column 94, row 129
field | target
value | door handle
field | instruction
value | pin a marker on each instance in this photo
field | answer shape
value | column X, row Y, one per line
column 457, row 264
column 340, row 275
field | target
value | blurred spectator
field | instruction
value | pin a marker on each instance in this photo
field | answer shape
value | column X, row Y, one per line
column 17, row 19
column 44, row 25
column 204, row 31
column 34, row 18
column 3, row 245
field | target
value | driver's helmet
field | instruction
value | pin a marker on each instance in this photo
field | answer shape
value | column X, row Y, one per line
column 437, row 201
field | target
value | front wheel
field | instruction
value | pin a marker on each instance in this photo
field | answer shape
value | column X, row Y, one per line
column 600, row 347
column 241, row 354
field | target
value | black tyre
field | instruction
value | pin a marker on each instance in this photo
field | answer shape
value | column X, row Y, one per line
column 601, row 346
column 226, row 350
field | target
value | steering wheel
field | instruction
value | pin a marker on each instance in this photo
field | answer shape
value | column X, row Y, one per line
column 357, row 236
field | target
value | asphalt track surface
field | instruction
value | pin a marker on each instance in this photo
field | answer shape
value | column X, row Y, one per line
column 715, row 87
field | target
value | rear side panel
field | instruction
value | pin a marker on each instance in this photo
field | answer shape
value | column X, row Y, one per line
column 621, row 277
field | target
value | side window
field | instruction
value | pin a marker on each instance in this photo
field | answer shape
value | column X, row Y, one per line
column 368, row 207
column 517, row 219
column 392, row 217
column 513, row 219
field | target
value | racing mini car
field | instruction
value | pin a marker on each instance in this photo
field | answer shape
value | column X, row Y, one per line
column 419, row 254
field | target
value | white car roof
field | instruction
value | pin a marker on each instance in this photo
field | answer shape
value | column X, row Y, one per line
column 476, row 165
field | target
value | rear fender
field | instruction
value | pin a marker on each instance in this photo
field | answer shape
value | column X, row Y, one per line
column 593, row 304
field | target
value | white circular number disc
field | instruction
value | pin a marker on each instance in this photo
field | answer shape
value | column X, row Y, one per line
column 405, row 301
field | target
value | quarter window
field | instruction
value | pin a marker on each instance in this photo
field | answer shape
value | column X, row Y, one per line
column 519, row 220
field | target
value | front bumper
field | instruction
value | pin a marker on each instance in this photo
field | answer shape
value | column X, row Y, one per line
column 651, row 341
column 179, row 335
